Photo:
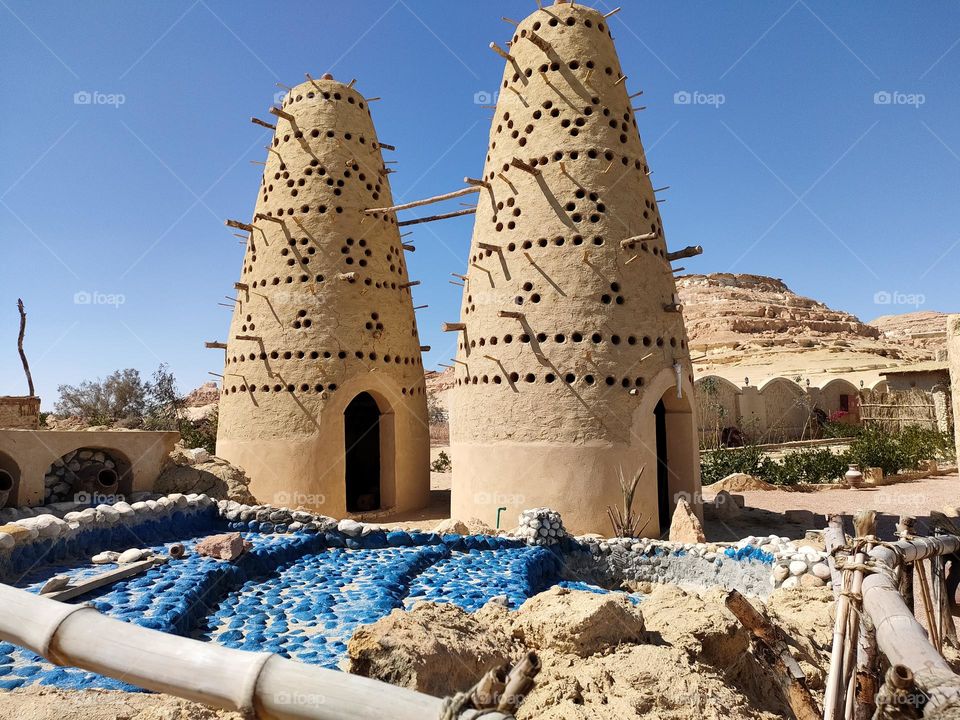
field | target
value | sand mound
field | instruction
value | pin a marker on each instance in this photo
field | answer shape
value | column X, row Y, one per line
column 45, row 703
column 741, row 482
column 577, row 623
column 432, row 649
column 679, row 655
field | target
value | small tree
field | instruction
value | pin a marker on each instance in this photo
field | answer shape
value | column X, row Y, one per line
column 121, row 396
column 167, row 410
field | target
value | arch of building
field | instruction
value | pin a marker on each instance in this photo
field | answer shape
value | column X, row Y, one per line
column 312, row 470
column 102, row 481
column 9, row 478
column 718, row 407
column 839, row 396
column 787, row 409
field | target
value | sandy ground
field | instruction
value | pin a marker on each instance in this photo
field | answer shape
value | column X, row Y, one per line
column 764, row 509
column 763, row 515
column 678, row 656
column 53, row 704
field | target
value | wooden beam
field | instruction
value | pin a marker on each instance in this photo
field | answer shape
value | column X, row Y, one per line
column 631, row 241
column 215, row 345
column 238, row 225
column 425, row 201
column 520, row 164
column 412, row 283
column 687, row 252
column 453, row 327
column 501, row 52
column 458, row 213
column 107, row 578
column 282, row 113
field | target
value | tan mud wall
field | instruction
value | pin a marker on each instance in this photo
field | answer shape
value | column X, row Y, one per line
column 28, row 454
column 953, row 350
column 549, row 406
column 20, row 412
column 303, row 342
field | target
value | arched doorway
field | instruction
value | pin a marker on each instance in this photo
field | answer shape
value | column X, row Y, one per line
column 677, row 455
column 361, row 436
column 664, row 504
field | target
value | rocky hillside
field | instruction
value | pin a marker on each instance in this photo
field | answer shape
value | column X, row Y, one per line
column 735, row 322
column 723, row 310
column 924, row 329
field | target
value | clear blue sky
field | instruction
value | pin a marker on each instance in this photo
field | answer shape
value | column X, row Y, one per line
column 802, row 171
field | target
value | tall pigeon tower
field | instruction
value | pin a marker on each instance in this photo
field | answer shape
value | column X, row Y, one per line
column 323, row 394
column 572, row 364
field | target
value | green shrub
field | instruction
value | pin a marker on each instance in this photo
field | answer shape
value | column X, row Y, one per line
column 903, row 450
column 807, row 466
column 715, row 465
column 442, row 464
column 832, row 429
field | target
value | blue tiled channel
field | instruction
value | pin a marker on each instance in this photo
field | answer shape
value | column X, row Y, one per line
column 298, row 595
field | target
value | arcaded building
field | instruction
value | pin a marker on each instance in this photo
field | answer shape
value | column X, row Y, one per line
column 572, row 358
column 323, row 392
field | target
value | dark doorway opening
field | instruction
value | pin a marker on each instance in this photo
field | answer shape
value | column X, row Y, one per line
column 361, row 434
column 663, row 469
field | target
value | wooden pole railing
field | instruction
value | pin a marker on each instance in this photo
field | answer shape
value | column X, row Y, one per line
column 261, row 684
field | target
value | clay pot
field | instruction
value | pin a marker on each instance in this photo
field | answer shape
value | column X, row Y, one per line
column 853, row 477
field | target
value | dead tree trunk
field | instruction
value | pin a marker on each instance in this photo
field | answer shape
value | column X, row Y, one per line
column 23, row 355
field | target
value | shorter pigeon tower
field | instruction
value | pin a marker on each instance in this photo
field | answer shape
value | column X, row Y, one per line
column 323, row 393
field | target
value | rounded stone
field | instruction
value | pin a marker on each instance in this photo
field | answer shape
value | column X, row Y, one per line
column 821, row 570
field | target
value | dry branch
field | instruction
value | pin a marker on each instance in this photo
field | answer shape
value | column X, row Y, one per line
column 771, row 648
column 23, row 355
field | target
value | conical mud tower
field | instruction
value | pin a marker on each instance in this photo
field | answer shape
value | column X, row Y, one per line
column 572, row 363
column 323, row 395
